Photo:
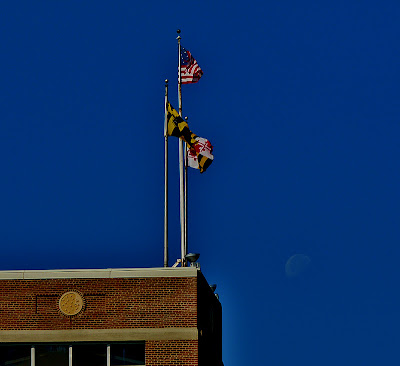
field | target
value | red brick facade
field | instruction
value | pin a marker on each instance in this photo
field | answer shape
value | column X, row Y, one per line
column 179, row 353
column 156, row 302
column 109, row 303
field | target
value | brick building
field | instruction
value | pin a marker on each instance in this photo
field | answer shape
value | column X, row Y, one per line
column 159, row 316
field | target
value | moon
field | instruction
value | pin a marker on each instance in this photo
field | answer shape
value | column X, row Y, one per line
column 296, row 265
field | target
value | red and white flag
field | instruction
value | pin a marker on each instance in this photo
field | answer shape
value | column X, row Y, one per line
column 190, row 69
column 200, row 154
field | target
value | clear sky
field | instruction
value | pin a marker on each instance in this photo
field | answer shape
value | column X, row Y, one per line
column 301, row 103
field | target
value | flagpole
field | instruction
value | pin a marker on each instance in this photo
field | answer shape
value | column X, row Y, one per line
column 186, row 197
column 181, row 159
column 166, row 176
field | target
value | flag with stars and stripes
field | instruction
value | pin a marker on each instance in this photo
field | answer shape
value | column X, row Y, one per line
column 190, row 69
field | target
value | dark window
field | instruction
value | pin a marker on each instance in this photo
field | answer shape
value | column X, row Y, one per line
column 14, row 355
column 54, row 355
column 121, row 354
column 127, row 354
column 89, row 355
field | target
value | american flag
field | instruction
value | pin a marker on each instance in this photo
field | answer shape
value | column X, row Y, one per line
column 190, row 69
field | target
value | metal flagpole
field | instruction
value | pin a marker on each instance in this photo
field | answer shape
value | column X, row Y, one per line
column 166, row 176
column 186, row 196
column 181, row 157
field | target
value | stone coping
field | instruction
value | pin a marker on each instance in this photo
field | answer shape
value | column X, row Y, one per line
column 99, row 273
column 97, row 335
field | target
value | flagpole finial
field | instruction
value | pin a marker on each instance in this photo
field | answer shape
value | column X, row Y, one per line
column 178, row 31
column 166, row 81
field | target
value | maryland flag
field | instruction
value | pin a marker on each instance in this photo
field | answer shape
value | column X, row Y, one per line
column 178, row 127
column 198, row 156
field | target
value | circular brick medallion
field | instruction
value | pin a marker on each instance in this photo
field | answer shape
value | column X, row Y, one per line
column 71, row 303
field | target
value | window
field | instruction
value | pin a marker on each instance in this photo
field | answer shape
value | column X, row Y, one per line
column 127, row 354
column 15, row 355
column 51, row 355
column 77, row 354
column 89, row 355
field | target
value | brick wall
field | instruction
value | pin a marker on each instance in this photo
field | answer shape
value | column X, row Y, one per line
column 123, row 303
column 110, row 303
column 180, row 353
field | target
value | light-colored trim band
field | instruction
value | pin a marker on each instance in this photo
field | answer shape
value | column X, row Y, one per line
column 99, row 273
column 98, row 335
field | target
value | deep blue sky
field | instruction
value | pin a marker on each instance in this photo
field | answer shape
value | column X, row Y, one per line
column 301, row 103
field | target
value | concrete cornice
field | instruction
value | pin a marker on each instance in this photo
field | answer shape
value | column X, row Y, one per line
column 99, row 273
column 98, row 335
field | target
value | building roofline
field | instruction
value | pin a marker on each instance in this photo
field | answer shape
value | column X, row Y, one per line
column 99, row 273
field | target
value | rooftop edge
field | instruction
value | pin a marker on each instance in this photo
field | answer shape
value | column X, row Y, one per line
column 99, row 273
